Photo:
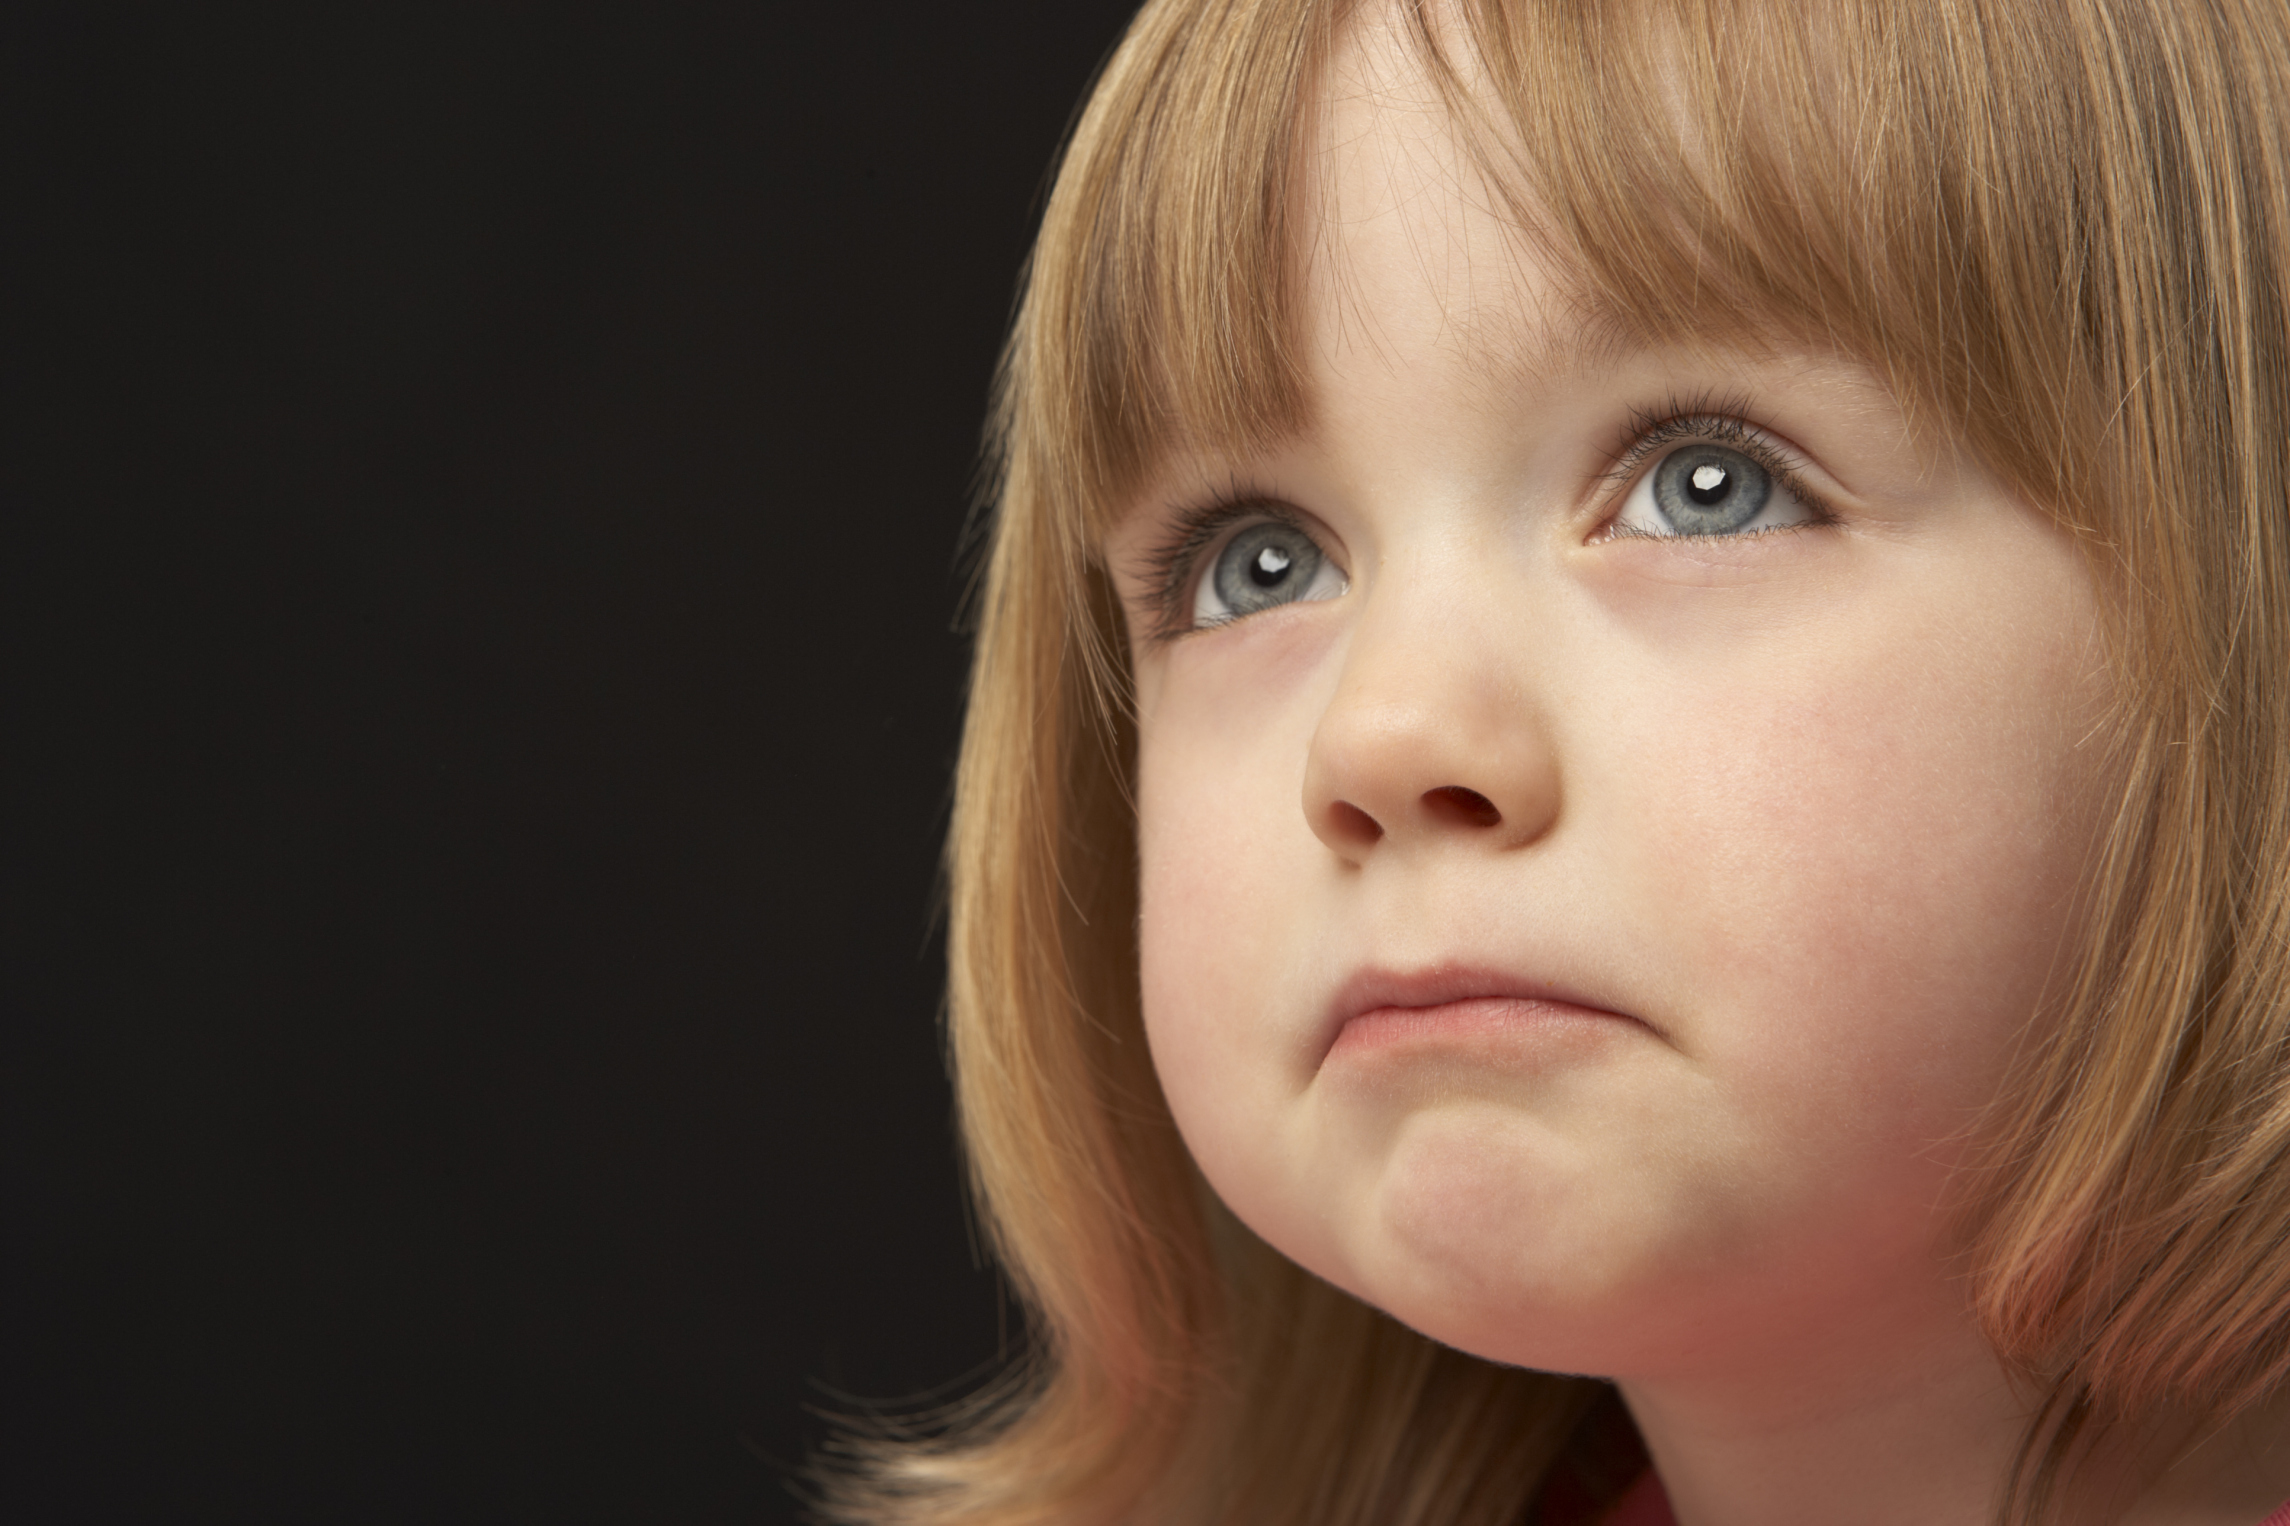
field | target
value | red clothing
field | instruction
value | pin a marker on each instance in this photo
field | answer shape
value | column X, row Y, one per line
column 1644, row 1504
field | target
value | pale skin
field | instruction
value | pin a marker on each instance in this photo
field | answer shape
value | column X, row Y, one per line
column 1722, row 870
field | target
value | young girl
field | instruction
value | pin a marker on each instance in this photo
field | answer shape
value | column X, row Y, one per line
column 1623, row 849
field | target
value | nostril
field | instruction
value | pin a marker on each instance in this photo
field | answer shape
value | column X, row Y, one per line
column 1354, row 824
column 1465, row 807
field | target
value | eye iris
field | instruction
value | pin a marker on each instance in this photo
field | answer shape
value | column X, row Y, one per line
column 1710, row 490
column 1264, row 565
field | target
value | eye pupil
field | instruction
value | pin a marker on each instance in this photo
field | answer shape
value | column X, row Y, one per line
column 1270, row 566
column 1709, row 484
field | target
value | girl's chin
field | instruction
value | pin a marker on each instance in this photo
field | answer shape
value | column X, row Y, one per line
column 1561, row 1335
column 1518, row 1303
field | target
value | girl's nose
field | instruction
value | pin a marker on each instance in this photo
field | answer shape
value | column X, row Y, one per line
column 1432, row 736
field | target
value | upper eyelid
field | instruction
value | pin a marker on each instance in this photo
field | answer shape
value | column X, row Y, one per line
column 1723, row 425
column 1724, row 422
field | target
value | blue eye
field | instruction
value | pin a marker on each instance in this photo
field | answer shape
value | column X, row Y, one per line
column 1709, row 490
column 1267, row 564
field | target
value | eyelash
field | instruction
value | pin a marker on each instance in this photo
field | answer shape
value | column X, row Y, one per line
column 1172, row 568
column 1705, row 420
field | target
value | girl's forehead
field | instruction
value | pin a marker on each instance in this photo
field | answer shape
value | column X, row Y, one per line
column 1405, row 240
column 1418, row 224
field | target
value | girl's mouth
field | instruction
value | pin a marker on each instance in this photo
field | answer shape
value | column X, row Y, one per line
column 1378, row 1010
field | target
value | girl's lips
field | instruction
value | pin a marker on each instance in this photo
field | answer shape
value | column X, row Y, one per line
column 1378, row 1008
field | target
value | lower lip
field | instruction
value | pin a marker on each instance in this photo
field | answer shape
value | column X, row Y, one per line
column 1481, row 1022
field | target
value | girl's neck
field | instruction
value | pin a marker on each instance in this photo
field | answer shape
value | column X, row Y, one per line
column 1888, row 1439
column 1929, row 1447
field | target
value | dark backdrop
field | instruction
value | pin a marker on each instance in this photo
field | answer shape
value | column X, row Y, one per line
column 481, row 680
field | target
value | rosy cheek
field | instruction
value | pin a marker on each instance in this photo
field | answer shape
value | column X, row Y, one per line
column 1181, row 962
column 1223, row 846
column 1201, row 952
column 1875, row 893
column 1224, row 858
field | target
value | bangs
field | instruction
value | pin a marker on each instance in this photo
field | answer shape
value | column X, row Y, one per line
column 1894, row 183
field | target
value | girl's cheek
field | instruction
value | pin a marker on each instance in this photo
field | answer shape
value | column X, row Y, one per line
column 1869, row 901
column 1201, row 954
column 1225, row 859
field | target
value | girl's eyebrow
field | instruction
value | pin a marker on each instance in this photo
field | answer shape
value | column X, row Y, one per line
column 1574, row 337
column 1585, row 339
column 1595, row 336
column 1584, row 335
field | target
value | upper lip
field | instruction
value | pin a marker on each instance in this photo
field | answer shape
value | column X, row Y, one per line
column 1373, row 987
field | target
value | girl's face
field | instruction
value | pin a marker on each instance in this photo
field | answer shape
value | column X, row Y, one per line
column 1606, row 814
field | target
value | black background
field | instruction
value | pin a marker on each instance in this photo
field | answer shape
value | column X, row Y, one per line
column 481, row 679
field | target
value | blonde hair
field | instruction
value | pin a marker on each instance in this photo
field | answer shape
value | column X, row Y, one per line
column 2061, row 227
